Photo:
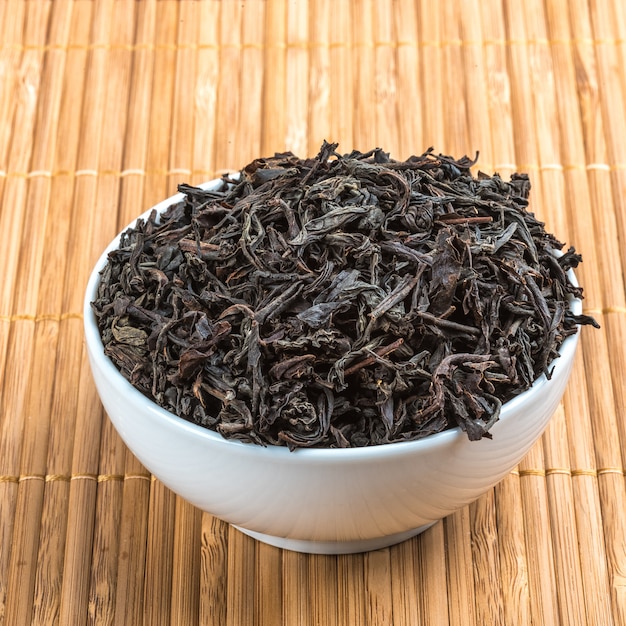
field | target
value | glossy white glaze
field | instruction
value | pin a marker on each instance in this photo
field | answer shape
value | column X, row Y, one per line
column 321, row 500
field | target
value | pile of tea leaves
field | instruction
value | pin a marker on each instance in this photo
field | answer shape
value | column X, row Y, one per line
column 339, row 301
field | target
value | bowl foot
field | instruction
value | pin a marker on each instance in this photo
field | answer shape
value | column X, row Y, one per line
column 335, row 547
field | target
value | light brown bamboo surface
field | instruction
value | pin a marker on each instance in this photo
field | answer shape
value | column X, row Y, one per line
column 107, row 105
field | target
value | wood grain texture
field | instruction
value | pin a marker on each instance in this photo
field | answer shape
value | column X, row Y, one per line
column 105, row 107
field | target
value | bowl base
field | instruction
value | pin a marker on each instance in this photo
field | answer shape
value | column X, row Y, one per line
column 334, row 547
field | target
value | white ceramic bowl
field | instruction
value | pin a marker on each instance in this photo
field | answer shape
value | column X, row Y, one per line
column 327, row 501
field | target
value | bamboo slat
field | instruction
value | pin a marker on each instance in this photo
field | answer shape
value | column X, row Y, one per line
column 323, row 583
column 431, row 75
column 512, row 552
column 320, row 113
column 247, row 133
column 379, row 606
column 207, row 75
column 386, row 102
column 241, row 587
column 213, row 573
column 161, row 103
column 127, row 150
column 106, row 118
column 541, row 574
column 342, row 76
column 295, row 583
column 268, row 585
column 365, row 76
column 81, row 506
column 576, row 76
column 19, row 109
column 131, row 543
column 459, row 569
column 297, row 77
column 499, row 101
column 181, row 137
column 454, row 113
column 134, row 159
column 537, row 534
column 19, row 99
column 409, row 95
column 405, row 597
column 489, row 601
column 76, row 402
column 477, row 95
column 37, row 240
column 60, row 262
column 432, row 565
column 149, row 143
column 350, row 589
column 569, row 578
column 604, row 21
column 186, row 565
column 559, row 131
column 105, row 107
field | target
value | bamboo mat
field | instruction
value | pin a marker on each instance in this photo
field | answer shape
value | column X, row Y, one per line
column 106, row 105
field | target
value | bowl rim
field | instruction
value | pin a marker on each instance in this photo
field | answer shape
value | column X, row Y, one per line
column 440, row 439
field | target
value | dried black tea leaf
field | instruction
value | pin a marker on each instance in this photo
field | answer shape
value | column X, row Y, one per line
column 343, row 300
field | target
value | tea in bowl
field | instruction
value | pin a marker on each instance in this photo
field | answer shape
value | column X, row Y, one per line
column 355, row 409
